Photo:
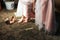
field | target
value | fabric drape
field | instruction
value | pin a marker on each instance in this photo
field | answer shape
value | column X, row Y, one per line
column 45, row 14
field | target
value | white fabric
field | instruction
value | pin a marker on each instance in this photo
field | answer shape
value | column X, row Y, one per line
column 38, row 14
column 22, row 7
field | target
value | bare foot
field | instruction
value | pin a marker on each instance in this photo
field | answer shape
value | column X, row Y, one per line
column 12, row 20
column 20, row 20
column 25, row 21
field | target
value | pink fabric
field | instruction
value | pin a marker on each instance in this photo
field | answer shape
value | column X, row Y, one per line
column 48, row 14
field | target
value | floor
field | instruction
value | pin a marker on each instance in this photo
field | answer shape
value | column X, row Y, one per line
column 28, row 31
